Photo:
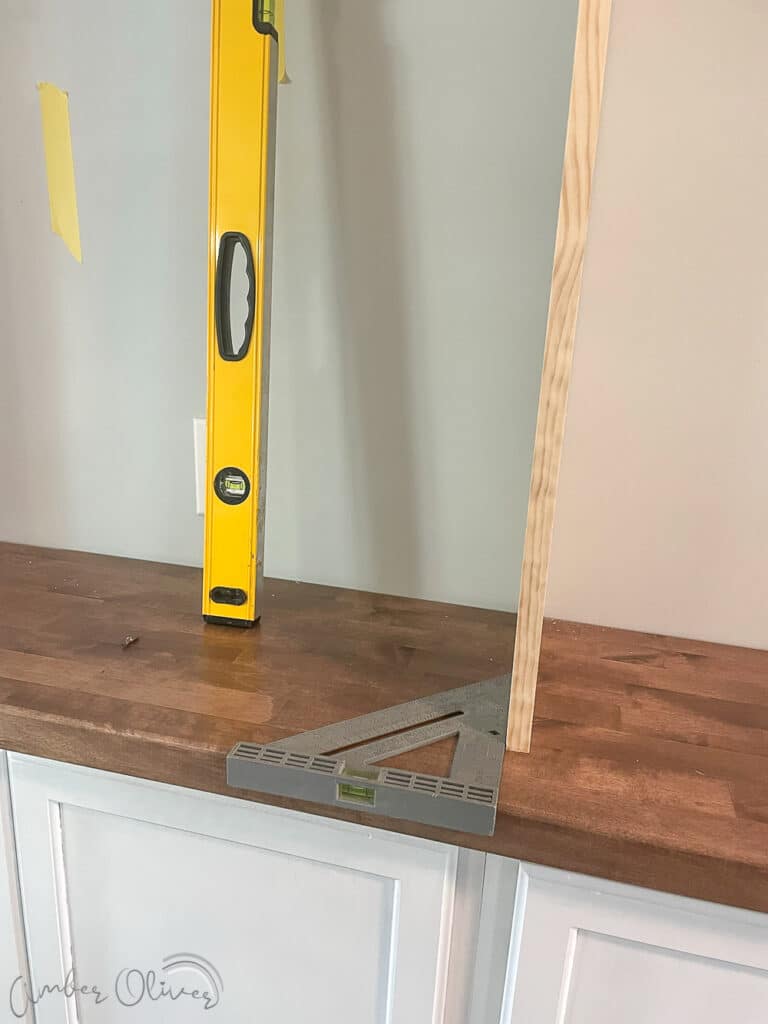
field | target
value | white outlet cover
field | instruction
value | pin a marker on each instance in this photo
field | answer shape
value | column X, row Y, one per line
column 198, row 430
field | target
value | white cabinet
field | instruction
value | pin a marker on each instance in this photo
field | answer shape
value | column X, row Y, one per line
column 160, row 904
column 12, row 946
column 584, row 951
column 257, row 914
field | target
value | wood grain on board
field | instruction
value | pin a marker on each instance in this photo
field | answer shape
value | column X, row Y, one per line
column 651, row 758
column 580, row 149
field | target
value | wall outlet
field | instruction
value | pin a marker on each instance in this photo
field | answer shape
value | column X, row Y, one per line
column 198, row 431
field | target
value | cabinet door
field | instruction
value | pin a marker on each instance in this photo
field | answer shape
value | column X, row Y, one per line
column 590, row 952
column 146, row 892
column 12, row 948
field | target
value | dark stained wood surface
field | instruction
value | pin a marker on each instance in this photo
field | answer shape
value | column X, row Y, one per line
column 650, row 755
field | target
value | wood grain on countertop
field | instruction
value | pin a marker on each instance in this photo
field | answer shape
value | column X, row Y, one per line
column 650, row 754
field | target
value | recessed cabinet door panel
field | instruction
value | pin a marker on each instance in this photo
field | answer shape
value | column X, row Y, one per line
column 590, row 952
column 167, row 905
column 257, row 915
column 664, row 986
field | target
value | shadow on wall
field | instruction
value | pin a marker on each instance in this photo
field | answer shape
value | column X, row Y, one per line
column 368, row 244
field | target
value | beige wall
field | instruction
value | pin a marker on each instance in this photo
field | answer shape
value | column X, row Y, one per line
column 662, row 521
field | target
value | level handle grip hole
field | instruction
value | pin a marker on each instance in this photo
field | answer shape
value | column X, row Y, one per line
column 228, row 595
column 235, row 296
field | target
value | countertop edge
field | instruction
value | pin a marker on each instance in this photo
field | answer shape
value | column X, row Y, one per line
column 615, row 859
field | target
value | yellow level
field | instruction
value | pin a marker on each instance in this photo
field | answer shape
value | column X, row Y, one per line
column 244, row 65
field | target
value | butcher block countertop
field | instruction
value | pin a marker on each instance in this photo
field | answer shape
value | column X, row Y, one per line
column 650, row 754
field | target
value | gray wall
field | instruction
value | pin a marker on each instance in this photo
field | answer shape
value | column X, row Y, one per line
column 419, row 160
column 103, row 365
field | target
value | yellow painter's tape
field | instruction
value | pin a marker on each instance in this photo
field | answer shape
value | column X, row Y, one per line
column 57, row 139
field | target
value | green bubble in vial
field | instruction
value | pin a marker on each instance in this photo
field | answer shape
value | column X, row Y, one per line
column 356, row 794
column 266, row 12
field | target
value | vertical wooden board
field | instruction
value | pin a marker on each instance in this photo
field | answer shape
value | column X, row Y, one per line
column 575, row 197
